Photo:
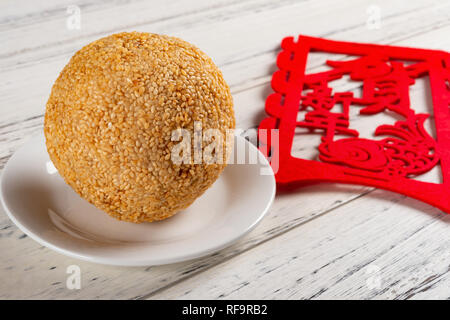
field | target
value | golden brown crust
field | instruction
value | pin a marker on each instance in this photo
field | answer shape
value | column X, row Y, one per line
column 110, row 116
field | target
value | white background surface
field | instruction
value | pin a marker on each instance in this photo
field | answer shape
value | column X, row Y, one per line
column 323, row 241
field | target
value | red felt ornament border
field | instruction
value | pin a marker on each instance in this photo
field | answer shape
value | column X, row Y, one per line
column 404, row 149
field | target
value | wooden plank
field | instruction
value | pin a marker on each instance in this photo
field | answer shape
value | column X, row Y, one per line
column 381, row 246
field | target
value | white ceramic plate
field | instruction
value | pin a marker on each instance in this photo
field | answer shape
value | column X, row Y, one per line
column 44, row 207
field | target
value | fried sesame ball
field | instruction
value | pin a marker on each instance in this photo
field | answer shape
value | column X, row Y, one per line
column 110, row 116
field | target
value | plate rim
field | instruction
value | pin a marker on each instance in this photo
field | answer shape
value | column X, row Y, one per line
column 124, row 262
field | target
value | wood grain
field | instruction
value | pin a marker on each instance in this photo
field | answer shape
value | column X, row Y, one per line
column 389, row 247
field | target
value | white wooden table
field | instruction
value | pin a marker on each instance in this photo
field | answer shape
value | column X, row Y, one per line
column 323, row 241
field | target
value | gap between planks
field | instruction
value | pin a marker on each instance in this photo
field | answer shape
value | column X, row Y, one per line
column 159, row 290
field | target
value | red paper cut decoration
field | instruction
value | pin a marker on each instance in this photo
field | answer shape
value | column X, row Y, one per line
column 400, row 152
